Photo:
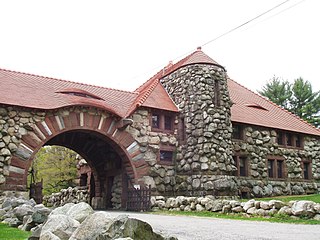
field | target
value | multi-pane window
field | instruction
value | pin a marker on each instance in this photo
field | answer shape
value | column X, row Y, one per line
column 280, row 138
column 237, row 131
column 155, row 120
column 161, row 120
column 275, row 168
column 271, row 168
column 288, row 139
column 242, row 165
column 306, row 168
column 168, row 120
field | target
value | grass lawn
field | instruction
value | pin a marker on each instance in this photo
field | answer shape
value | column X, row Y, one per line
column 311, row 197
column 10, row 233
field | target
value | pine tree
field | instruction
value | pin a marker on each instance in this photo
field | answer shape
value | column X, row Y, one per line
column 298, row 98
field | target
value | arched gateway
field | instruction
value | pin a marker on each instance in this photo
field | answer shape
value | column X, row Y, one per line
column 98, row 137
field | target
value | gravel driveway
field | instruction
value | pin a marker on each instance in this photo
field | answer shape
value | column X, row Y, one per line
column 192, row 228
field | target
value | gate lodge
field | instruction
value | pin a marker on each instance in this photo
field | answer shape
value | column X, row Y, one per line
column 189, row 130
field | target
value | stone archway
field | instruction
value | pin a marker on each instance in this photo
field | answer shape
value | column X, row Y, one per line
column 56, row 128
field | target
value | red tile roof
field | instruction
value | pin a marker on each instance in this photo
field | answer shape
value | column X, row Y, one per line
column 250, row 108
column 32, row 91
column 27, row 90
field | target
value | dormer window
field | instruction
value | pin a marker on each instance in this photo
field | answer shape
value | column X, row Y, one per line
column 79, row 93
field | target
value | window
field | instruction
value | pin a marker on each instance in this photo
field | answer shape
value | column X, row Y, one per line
column 237, row 131
column 155, row 121
column 276, row 168
column 182, row 130
column 161, row 120
column 242, row 165
column 217, row 100
column 298, row 141
column 289, row 139
column 279, row 169
column 280, row 139
column 168, row 122
column 306, row 168
column 271, row 168
column 166, row 156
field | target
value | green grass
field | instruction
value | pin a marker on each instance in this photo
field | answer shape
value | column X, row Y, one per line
column 277, row 218
column 312, row 197
column 10, row 233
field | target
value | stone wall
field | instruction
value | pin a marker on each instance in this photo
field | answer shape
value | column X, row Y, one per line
column 116, row 192
column 295, row 209
column 15, row 122
column 69, row 195
column 204, row 157
column 161, row 177
column 258, row 145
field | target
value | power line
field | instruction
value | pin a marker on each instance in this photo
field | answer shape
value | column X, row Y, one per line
column 236, row 28
column 245, row 23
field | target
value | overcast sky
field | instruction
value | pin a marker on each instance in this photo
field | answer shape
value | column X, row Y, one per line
column 121, row 44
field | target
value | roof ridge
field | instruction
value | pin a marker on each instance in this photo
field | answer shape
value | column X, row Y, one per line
column 63, row 80
column 269, row 101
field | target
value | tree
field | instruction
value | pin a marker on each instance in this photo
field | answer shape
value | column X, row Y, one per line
column 305, row 103
column 297, row 98
column 278, row 91
column 56, row 166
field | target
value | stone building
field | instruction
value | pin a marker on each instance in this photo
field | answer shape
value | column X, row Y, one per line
column 189, row 130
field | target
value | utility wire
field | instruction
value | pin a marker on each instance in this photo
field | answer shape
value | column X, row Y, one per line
column 245, row 23
column 237, row 27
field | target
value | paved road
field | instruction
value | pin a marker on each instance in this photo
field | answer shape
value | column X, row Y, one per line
column 193, row 228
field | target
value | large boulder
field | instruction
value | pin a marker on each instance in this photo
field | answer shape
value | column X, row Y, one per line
column 23, row 210
column 49, row 236
column 35, row 232
column 92, row 226
column 63, row 209
column 80, row 211
column 40, row 214
column 60, row 225
column 303, row 208
column 124, row 227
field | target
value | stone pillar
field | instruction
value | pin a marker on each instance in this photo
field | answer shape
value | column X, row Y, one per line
column 205, row 150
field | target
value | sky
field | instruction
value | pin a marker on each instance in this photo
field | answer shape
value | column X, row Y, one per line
column 121, row 44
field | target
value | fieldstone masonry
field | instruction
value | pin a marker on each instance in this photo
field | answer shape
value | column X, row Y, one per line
column 202, row 143
column 204, row 160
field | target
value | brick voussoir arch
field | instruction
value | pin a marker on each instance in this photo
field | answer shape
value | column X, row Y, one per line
column 53, row 125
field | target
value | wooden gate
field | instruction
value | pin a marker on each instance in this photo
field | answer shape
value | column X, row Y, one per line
column 139, row 199
column 36, row 191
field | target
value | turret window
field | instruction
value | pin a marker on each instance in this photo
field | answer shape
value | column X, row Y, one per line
column 217, row 100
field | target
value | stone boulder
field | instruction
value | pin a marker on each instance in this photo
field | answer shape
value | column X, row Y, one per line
column 40, row 214
column 92, row 226
column 124, row 227
column 80, row 211
column 60, row 225
column 303, row 208
column 49, row 236
column 63, row 209
column 23, row 210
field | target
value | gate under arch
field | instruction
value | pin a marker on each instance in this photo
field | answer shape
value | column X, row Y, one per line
column 100, row 138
